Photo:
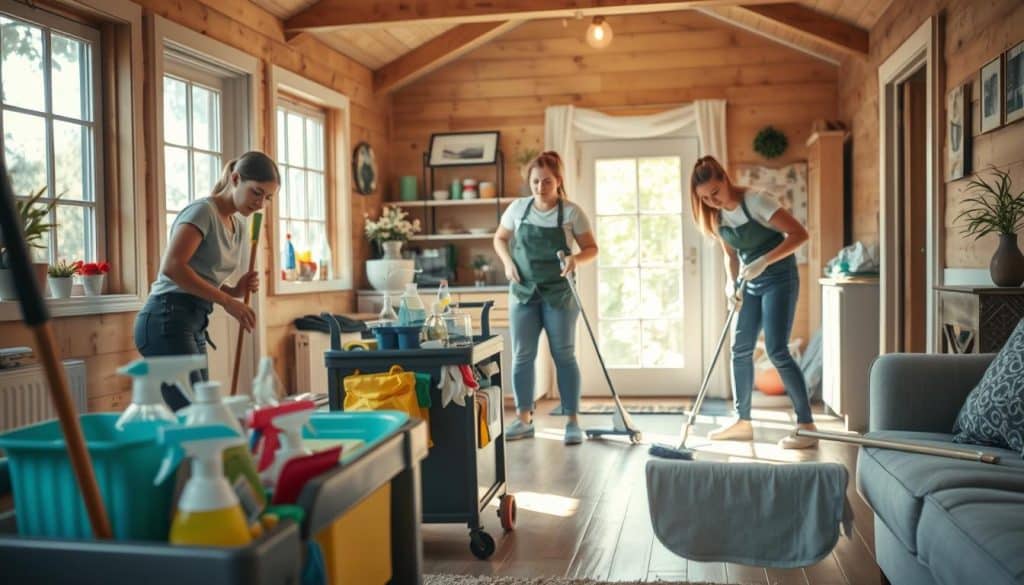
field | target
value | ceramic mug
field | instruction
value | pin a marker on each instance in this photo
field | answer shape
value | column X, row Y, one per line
column 487, row 190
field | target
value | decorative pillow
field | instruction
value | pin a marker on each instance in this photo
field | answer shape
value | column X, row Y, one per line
column 994, row 411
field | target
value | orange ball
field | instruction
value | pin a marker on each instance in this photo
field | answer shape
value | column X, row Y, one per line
column 769, row 382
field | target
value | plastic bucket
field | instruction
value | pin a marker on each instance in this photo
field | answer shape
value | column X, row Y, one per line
column 386, row 337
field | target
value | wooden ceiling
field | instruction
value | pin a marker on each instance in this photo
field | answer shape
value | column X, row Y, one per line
column 382, row 34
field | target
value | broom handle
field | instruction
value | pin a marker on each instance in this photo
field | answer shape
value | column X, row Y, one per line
column 241, row 331
column 34, row 313
column 901, row 446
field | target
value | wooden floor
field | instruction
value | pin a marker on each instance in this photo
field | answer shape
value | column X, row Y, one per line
column 583, row 510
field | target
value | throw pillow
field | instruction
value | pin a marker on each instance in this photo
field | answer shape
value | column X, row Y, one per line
column 993, row 413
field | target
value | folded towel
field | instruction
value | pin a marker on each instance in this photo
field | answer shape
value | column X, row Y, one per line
column 782, row 516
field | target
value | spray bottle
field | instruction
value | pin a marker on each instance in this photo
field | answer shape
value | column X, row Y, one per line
column 209, row 512
column 148, row 374
column 279, row 430
column 264, row 385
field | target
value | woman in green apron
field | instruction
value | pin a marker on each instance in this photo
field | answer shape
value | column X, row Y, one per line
column 758, row 238
column 532, row 232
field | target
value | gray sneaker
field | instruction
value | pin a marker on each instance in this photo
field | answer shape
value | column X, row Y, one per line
column 573, row 434
column 518, row 430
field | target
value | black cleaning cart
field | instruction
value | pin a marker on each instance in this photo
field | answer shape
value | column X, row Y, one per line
column 459, row 479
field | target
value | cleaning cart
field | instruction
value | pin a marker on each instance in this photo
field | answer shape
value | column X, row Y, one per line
column 460, row 479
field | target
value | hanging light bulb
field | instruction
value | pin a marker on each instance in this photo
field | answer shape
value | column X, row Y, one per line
column 599, row 33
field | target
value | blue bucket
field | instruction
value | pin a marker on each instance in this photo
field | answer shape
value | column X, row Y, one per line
column 370, row 427
column 46, row 496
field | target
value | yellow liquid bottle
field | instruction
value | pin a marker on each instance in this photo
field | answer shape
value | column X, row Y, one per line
column 225, row 527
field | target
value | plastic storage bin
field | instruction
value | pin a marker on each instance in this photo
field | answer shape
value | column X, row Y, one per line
column 46, row 494
column 398, row 337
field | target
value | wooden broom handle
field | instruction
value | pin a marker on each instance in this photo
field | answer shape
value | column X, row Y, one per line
column 248, row 294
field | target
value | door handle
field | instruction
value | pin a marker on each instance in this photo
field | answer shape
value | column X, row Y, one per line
column 691, row 256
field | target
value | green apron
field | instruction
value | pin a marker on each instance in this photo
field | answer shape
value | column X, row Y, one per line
column 750, row 240
column 534, row 252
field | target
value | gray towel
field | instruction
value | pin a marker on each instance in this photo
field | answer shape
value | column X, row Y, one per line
column 782, row 516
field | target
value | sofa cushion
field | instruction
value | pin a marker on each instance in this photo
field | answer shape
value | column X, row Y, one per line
column 973, row 535
column 894, row 483
column 993, row 413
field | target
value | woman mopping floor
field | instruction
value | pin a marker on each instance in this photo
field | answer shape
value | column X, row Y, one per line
column 533, row 231
column 758, row 238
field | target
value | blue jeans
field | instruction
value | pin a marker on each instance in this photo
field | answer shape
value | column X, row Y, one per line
column 526, row 321
column 173, row 324
column 769, row 302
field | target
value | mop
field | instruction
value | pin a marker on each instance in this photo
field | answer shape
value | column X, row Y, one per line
column 681, row 452
column 622, row 424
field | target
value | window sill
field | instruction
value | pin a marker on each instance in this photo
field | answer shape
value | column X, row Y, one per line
column 314, row 286
column 78, row 306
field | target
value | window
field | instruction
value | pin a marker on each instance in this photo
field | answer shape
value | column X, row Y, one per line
column 303, row 202
column 50, row 121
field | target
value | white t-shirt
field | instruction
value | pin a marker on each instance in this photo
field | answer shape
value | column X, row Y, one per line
column 574, row 221
column 761, row 205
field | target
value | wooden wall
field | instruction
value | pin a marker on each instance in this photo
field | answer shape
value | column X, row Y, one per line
column 655, row 61
column 975, row 33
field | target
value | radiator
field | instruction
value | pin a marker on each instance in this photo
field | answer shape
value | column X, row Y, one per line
column 310, row 371
column 25, row 395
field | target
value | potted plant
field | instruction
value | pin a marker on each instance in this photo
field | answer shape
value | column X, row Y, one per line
column 60, row 277
column 523, row 158
column 34, row 224
column 995, row 208
column 481, row 266
column 92, row 275
column 388, row 233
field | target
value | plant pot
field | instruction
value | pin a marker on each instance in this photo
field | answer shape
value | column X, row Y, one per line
column 60, row 286
column 7, row 290
column 92, row 284
column 392, row 250
column 1007, row 266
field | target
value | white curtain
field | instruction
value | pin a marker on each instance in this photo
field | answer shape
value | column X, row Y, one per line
column 565, row 125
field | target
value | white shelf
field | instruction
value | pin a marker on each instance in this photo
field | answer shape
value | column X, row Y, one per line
column 451, row 237
column 451, row 202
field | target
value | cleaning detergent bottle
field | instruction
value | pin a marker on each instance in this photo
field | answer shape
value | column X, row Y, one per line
column 209, row 512
column 289, row 264
column 267, row 430
column 444, row 298
column 209, row 408
column 410, row 309
column 434, row 328
column 290, row 426
column 148, row 374
column 264, row 385
column 387, row 315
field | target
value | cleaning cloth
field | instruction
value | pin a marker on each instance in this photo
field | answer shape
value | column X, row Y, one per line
column 760, row 514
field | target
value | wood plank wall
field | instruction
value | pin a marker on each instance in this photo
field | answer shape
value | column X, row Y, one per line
column 975, row 33
column 105, row 342
column 654, row 62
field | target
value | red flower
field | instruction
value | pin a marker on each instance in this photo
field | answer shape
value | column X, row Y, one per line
column 92, row 268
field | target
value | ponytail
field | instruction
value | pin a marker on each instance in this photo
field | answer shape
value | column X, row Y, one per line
column 549, row 159
column 706, row 169
column 251, row 166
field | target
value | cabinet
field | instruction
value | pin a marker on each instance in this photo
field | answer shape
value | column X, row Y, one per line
column 975, row 319
column 850, row 337
column 824, row 211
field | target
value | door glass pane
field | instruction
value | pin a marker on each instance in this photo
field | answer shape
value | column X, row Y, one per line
column 300, row 236
column 618, row 291
column 175, row 111
column 206, row 173
column 660, row 185
column 615, row 182
column 296, row 193
column 25, row 150
column 620, row 343
column 40, row 250
column 205, row 119
column 69, row 70
column 617, row 233
column 315, row 187
column 296, row 152
column 660, row 293
column 661, row 239
column 69, row 152
column 662, row 344
column 314, row 144
column 22, row 65
column 71, row 233
column 176, row 177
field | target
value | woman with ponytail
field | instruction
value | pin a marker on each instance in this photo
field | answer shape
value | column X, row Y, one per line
column 758, row 239
column 209, row 240
column 533, row 231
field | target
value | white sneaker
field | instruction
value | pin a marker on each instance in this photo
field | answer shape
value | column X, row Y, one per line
column 793, row 441
column 741, row 430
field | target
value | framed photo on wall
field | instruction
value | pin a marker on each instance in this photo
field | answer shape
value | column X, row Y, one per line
column 463, row 149
column 958, row 131
column 991, row 95
column 1014, row 83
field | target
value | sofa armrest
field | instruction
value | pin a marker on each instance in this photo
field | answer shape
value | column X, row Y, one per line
column 922, row 392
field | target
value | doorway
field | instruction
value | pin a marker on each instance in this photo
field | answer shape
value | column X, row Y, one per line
column 912, row 206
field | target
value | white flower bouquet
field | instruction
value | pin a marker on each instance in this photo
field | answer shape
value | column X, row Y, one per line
column 392, row 226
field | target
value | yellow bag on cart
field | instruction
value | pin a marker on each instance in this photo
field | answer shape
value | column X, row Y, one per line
column 394, row 390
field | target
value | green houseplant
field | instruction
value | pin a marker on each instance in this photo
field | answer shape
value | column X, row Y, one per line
column 993, row 208
column 60, row 277
column 35, row 224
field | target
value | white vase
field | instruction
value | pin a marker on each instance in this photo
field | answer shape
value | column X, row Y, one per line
column 60, row 286
column 392, row 250
column 92, row 284
column 392, row 275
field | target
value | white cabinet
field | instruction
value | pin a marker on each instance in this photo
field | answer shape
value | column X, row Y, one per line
column 849, row 326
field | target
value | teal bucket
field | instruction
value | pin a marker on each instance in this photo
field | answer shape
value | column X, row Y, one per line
column 46, row 496
column 370, row 427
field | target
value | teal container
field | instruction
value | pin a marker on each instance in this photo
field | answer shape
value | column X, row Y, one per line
column 46, row 496
column 407, row 188
column 456, row 189
column 371, row 427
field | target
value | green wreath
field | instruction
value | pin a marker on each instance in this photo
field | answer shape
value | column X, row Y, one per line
column 770, row 143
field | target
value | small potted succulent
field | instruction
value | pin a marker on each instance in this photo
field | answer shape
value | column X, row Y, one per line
column 34, row 222
column 92, row 275
column 60, row 277
column 993, row 208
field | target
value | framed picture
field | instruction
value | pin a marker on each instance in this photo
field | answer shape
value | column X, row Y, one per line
column 1013, row 81
column 991, row 95
column 958, row 131
column 463, row 149
column 364, row 169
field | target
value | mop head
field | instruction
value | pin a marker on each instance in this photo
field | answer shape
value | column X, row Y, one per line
column 670, row 452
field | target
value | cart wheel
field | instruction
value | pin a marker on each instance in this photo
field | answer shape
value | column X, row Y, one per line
column 507, row 511
column 636, row 438
column 481, row 545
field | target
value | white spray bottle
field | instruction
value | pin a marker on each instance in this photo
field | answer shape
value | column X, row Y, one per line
column 209, row 408
column 148, row 374
column 290, row 426
column 264, row 385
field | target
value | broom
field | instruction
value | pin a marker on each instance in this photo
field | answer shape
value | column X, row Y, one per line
column 254, row 238
column 35, row 315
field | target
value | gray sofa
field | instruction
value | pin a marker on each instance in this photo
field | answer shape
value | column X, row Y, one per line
column 938, row 520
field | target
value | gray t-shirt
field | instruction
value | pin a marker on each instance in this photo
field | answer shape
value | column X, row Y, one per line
column 219, row 254
column 574, row 221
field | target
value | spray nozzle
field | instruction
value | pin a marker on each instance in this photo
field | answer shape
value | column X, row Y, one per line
column 173, row 369
column 199, row 441
column 266, row 424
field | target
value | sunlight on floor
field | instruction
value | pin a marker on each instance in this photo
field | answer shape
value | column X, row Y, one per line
column 549, row 504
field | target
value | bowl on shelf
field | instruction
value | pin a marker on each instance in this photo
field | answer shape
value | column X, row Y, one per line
column 440, row 194
column 386, row 274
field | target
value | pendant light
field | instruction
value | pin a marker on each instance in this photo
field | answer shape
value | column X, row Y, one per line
column 599, row 33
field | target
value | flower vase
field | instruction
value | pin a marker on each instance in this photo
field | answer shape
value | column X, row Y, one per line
column 1007, row 266
column 60, row 286
column 392, row 250
column 92, row 284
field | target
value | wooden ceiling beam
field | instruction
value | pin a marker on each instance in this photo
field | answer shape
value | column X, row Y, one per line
column 334, row 14
column 437, row 52
column 802, row 20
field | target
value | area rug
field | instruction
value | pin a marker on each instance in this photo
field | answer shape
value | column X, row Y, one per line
column 711, row 407
column 488, row 580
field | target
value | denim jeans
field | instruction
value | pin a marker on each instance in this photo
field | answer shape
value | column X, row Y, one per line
column 526, row 321
column 770, row 302
column 173, row 324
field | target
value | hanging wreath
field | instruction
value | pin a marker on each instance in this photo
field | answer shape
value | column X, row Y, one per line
column 770, row 143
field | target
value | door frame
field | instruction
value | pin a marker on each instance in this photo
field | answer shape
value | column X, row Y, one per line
column 922, row 49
